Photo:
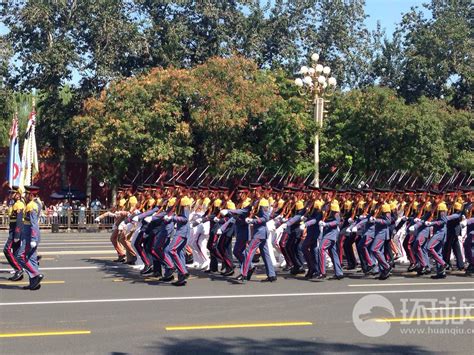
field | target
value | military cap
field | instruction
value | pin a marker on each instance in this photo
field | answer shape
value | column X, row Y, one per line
column 32, row 189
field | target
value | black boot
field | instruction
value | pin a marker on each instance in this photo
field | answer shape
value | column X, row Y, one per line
column 269, row 279
column 35, row 282
column 250, row 273
column 181, row 280
column 17, row 276
column 148, row 269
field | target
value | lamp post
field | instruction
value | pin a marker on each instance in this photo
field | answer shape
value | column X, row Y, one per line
column 316, row 83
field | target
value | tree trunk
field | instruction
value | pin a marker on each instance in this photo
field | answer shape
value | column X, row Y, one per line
column 62, row 162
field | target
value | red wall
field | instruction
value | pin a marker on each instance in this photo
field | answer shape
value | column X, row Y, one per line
column 49, row 178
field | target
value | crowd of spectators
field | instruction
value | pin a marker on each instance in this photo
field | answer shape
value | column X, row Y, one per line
column 57, row 213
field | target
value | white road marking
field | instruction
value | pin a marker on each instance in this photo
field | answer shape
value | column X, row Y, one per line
column 77, row 252
column 75, row 268
column 210, row 297
column 74, row 243
column 411, row 284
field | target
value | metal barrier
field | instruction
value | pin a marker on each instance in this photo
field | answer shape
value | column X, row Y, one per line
column 68, row 220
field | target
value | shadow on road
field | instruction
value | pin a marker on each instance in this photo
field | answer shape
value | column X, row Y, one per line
column 241, row 345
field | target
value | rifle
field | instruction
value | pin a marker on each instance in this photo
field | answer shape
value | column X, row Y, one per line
column 282, row 177
column 192, row 173
column 261, row 174
column 207, row 167
column 304, row 182
column 281, row 166
column 173, row 177
column 333, row 177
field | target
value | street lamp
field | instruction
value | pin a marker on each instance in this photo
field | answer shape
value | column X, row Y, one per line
column 315, row 81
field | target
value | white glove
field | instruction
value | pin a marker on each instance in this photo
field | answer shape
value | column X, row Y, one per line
column 354, row 229
column 463, row 223
column 135, row 219
column 216, row 219
column 322, row 224
column 428, row 224
column 33, row 244
column 284, row 219
column 249, row 220
column 97, row 219
column 362, row 216
column 350, row 220
column 302, row 226
column 411, row 229
column 167, row 218
column 198, row 220
column 416, row 220
column 224, row 212
column 372, row 219
column 283, row 226
column 148, row 219
column 219, row 231
column 303, row 219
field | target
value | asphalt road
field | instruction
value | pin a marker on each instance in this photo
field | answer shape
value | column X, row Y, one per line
column 90, row 305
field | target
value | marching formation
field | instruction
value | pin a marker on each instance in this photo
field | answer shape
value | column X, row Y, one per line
column 300, row 230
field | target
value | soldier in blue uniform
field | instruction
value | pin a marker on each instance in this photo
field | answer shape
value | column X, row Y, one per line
column 259, row 240
column 381, row 235
column 177, row 245
column 327, row 244
column 12, row 245
column 30, row 238
column 310, row 223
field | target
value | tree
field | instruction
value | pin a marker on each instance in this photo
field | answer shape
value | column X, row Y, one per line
column 431, row 56
column 225, row 112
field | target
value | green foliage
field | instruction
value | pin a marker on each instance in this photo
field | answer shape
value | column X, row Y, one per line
column 378, row 131
column 431, row 56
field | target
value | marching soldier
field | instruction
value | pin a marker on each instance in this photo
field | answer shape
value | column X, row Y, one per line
column 15, row 213
column 30, row 238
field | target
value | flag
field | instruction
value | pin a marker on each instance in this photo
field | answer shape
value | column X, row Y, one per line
column 29, row 157
column 14, row 163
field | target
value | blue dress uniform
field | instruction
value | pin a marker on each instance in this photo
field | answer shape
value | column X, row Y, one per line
column 144, row 240
column 30, row 239
column 381, row 234
column 328, row 243
column 453, row 231
column 310, row 244
column 241, row 229
column 259, row 240
column 422, row 233
column 176, row 247
column 294, row 238
column 434, row 246
column 12, row 245
column 469, row 246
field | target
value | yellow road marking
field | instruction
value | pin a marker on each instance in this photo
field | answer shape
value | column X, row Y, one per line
column 42, row 334
column 234, row 326
column 421, row 319
column 118, row 280
column 11, row 283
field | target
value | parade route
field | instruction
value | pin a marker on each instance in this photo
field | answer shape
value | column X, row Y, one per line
column 89, row 304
